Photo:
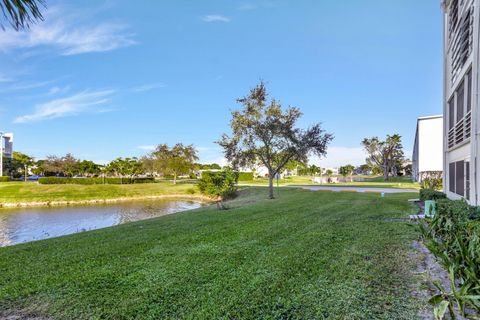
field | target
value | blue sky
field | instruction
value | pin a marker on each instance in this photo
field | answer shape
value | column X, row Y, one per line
column 113, row 78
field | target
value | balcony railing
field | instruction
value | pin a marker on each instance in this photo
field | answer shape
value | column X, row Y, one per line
column 461, row 131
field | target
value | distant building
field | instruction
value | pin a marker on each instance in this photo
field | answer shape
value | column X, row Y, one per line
column 428, row 147
column 460, row 102
column 8, row 146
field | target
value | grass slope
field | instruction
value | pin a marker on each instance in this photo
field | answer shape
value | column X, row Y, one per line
column 306, row 255
column 15, row 192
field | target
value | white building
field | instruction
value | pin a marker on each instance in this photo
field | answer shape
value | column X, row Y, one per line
column 428, row 147
column 461, row 100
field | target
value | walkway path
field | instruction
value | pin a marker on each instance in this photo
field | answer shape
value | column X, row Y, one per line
column 354, row 189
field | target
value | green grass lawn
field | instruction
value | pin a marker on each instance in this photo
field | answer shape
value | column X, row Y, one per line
column 306, row 255
column 370, row 182
column 15, row 192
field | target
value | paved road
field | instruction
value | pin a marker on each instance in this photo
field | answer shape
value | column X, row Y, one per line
column 354, row 189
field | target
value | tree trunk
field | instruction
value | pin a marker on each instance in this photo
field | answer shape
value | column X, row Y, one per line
column 385, row 173
column 270, row 186
column 25, row 174
column 174, row 178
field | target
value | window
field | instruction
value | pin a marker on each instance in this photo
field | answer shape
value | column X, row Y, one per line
column 460, row 100
column 459, row 178
column 451, row 113
column 467, row 179
column 451, row 177
column 469, row 90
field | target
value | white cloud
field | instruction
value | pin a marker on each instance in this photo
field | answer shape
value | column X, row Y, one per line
column 148, row 87
column 247, row 6
column 148, row 148
column 338, row 156
column 70, row 106
column 64, row 33
column 57, row 90
column 215, row 18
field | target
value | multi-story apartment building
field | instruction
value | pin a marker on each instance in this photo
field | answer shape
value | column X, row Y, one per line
column 427, row 154
column 460, row 110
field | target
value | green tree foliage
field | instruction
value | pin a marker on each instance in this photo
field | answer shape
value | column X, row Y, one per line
column 219, row 185
column 177, row 160
column 346, row 171
column 128, row 167
column 21, row 13
column 264, row 133
column 25, row 161
column 211, row 166
column 384, row 154
column 88, row 168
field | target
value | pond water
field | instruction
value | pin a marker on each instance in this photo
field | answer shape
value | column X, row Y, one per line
column 29, row 224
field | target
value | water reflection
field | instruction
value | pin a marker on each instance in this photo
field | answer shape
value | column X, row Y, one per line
column 22, row 225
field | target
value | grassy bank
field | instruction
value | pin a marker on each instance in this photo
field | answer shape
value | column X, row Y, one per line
column 18, row 192
column 306, row 255
column 369, row 182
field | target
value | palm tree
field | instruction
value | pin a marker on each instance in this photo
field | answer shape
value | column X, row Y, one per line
column 21, row 13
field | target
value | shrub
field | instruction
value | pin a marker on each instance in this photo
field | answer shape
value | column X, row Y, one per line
column 431, row 194
column 431, row 180
column 455, row 240
column 4, row 179
column 89, row 181
column 245, row 176
column 221, row 184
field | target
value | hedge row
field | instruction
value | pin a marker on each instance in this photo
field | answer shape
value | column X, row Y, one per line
column 431, row 194
column 57, row 180
column 245, row 176
column 4, row 179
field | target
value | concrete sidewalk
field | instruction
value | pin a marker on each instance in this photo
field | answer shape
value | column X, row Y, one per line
column 354, row 189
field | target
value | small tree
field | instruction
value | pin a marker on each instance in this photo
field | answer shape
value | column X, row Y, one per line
column 264, row 133
column 384, row 154
column 128, row 167
column 346, row 171
column 219, row 184
column 24, row 160
column 178, row 160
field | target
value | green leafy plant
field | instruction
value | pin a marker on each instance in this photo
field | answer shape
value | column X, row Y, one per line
column 431, row 194
column 219, row 185
column 455, row 240
column 431, row 180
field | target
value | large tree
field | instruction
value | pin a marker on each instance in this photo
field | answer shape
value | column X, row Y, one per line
column 21, row 13
column 264, row 133
column 384, row 154
column 177, row 160
column 346, row 171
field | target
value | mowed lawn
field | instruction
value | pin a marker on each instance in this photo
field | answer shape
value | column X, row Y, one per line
column 15, row 192
column 369, row 182
column 306, row 255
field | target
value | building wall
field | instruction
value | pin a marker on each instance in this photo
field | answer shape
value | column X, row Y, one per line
column 460, row 120
column 428, row 147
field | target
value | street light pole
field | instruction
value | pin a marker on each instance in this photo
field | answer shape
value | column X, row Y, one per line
column 1, row 154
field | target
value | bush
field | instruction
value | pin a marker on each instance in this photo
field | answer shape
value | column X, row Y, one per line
column 4, row 179
column 221, row 184
column 455, row 240
column 431, row 180
column 89, row 181
column 430, row 194
column 245, row 176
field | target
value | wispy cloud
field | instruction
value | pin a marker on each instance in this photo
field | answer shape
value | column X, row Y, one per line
column 148, row 148
column 215, row 18
column 148, row 87
column 247, row 6
column 65, row 34
column 4, row 78
column 70, row 106
column 57, row 90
